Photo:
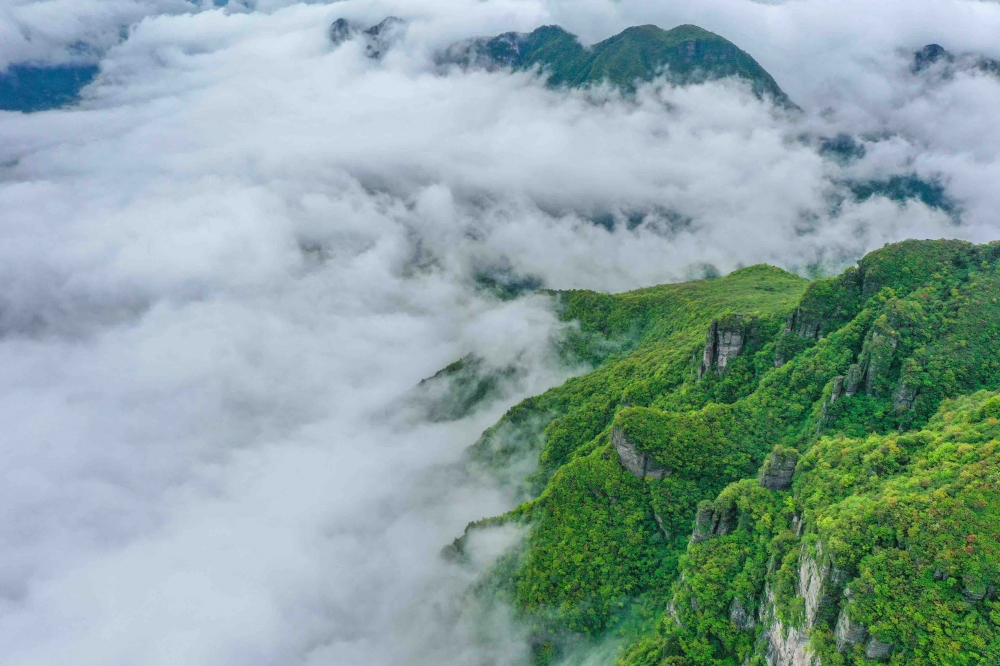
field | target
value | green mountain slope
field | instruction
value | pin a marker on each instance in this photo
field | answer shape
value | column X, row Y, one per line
column 884, row 548
column 687, row 54
column 650, row 517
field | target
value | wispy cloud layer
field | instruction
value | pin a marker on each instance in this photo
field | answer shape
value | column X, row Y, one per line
column 221, row 270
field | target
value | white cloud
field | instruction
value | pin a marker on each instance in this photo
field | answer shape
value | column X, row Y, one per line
column 221, row 270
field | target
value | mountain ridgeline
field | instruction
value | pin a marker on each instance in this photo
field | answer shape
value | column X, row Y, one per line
column 765, row 470
column 685, row 55
column 689, row 55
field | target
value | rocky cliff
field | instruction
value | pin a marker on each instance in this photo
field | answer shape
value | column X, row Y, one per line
column 726, row 339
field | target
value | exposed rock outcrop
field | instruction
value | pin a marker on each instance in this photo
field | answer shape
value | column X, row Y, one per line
column 836, row 391
column 848, row 632
column 904, row 397
column 802, row 325
column 852, row 381
column 876, row 649
column 711, row 521
column 638, row 462
column 672, row 612
column 813, row 578
column 341, row 30
column 378, row 38
column 818, row 586
column 975, row 592
column 933, row 59
column 785, row 646
column 880, row 350
column 741, row 616
column 659, row 523
column 724, row 520
column 726, row 339
column 778, row 469
column 873, row 367
column 703, row 522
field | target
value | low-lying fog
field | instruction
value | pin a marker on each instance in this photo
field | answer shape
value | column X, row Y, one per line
column 223, row 270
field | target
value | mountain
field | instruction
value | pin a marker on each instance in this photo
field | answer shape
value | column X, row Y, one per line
column 30, row 88
column 761, row 469
column 935, row 57
column 460, row 389
column 686, row 54
column 378, row 38
column 844, row 150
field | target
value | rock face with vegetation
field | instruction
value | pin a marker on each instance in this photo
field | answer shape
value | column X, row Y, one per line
column 935, row 59
column 685, row 54
column 839, row 507
column 377, row 39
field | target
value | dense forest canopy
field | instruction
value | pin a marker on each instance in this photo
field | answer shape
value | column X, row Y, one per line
column 763, row 468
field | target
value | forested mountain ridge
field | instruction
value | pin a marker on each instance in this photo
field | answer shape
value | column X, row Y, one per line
column 686, row 54
column 765, row 470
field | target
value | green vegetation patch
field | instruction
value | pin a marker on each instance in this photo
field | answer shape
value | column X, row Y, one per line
column 647, row 519
column 686, row 55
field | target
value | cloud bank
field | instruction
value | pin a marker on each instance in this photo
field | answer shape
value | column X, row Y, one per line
column 224, row 268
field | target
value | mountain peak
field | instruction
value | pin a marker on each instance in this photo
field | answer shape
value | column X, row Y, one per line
column 686, row 54
column 937, row 58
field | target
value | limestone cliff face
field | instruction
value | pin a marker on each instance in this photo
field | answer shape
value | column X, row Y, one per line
column 778, row 469
column 804, row 324
column 878, row 353
column 821, row 592
column 871, row 374
column 641, row 464
column 789, row 646
column 847, row 632
column 876, row 649
column 904, row 397
column 741, row 615
column 703, row 522
column 711, row 521
column 836, row 392
column 852, row 380
column 820, row 584
column 785, row 646
column 872, row 367
column 726, row 339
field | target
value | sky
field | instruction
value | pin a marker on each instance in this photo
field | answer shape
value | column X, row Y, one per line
column 223, row 271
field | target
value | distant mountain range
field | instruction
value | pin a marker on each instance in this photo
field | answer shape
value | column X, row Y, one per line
column 935, row 57
column 686, row 54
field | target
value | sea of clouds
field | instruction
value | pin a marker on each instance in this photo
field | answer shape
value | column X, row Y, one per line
column 222, row 271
